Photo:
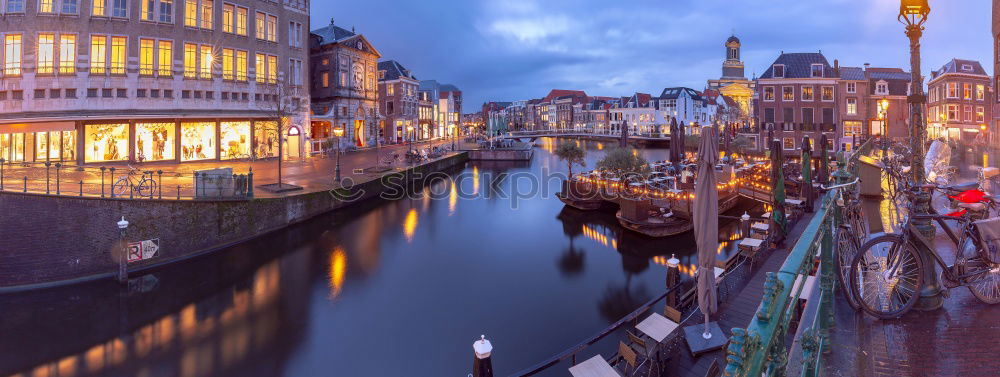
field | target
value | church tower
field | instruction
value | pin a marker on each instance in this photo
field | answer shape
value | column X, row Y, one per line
column 732, row 68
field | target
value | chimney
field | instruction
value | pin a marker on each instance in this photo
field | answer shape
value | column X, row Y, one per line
column 867, row 66
column 836, row 64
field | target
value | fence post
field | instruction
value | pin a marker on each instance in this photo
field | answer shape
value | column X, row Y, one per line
column 178, row 192
column 25, row 183
column 81, row 187
column 159, row 174
column 249, row 183
column 1, row 173
column 102, row 181
column 47, row 164
column 826, row 310
column 482, row 363
column 58, row 167
column 112, row 182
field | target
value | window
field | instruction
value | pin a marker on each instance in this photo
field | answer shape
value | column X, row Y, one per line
column 852, row 128
column 788, row 93
column 343, row 82
column 259, row 25
column 167, row 11
column 827, row 116
column 45, row 6
column 190, row 60
column 952, row 90
column 119, row 8
column 852, row 87
column 228, row 11
column 147, row 11
column 98, row 54
column 967, row 67
column 166, row 58
column 259, row 65
column 325, row 79
column 241, row 65
column 980, row 92
column 227, row 64
column 807, row 93
column 118, row 46
column 206, row 62
column 99, row 8
column 967, row 113
column 46, row 53
column 206, row 14
column 12, row 54
column 967, row 91
column 146, row 56
column 295, row 71
column 807, row 116
column 769, row 115
column 15, row 6
column 778, row 70
column 852, row 106
column 191, row 13
column 295, row 34
column 390, row 90
column 816, row 70
column 826, row 93
column 67, row 53
column 980, row 114
column 272, row 69
column 272, row 28
column 241, row 21
column 882, row 88
column 952, row 112
column 788, row 143
column 768, row 92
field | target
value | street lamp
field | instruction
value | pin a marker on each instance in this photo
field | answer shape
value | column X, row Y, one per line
column 883, row 111
column 122, row 271
column 913, row 14
column 339, row 133
column 409, row 132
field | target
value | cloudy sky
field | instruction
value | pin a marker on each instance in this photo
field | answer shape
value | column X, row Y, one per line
column 502, row 50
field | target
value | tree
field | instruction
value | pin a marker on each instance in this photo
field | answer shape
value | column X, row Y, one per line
column 281, row 101
column 741, row 145
column 624, row 162
column 572, row 155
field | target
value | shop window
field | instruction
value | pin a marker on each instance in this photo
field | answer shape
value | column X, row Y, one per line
column 68, row 145
column 106, row 142
column 235, row 140
column 265, row 138
column 197, row 141
column 154, row 141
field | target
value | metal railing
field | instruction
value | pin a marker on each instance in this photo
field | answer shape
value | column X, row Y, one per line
column 761, row 347
column 121, row 182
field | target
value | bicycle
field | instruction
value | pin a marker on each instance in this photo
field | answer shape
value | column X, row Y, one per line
column 886, row 275
column 850, row 235
column 143, row 187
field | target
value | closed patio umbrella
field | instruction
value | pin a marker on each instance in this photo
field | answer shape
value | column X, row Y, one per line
column 824, row 159
column 777, row 185
column 705, row 216
column 806, row 189
column 676, row 146
column 624, row 134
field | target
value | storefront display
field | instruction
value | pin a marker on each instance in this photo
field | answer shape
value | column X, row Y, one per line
column 48, row 146
column 197, row 141
column 265, row 138
column 106, row 142
column 154, row 141
column 235, row 140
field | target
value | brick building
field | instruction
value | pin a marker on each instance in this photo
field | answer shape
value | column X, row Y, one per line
column 797, row 98
column 343, row 70
column 398, row 101
column 959, row 101
column 151, row 81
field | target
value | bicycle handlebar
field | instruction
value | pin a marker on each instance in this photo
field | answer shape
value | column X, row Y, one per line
column 827, row 188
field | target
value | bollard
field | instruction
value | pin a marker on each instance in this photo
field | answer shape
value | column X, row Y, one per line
column 159, row 174
column 673, row 279
column 249, row 183
column 482, row 364
column 102, row 181
column 112, row 182
column 178, row 192
column 745, row 224
column 25, row 183
column 81, row 187
column 58, row 167
column 1, row 173
column 47, row 164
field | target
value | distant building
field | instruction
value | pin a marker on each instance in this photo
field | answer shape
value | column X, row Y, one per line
column 447, row 103
column 684, row 104
column 398, row 101
column 958, row 101
column 343, row 70
column 798, row 99
column 733, row 83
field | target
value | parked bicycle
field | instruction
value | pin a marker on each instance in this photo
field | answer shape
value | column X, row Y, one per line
column 851, row 234
column 142, row 186
column 886, row 275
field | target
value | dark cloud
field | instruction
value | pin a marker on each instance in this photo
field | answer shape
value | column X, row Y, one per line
column 519, row 49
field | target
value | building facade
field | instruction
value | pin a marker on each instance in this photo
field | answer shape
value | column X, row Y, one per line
column 958, row 101
column 447, row 102
column 343, row 68
column 734, row 83
column 798, row 99
column 152, row 81
column 398, row 100
column 684, row 104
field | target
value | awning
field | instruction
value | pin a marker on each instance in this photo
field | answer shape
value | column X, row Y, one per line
column 37, row 127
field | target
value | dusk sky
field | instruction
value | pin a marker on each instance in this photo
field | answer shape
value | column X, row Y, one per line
column 503, row 50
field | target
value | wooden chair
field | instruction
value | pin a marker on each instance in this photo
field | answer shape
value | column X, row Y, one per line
column 646, row 347
column 627, row 354
column 672, row 314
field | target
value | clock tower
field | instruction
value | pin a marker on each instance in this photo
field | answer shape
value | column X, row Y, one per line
column 733, row 83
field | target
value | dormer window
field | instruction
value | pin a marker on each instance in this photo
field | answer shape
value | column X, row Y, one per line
column 816, row 70
column 882, row 88
column 779, row 71
column 967, row 67
column 361, row 45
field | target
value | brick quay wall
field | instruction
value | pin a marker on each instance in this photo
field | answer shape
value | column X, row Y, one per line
column 55, row 240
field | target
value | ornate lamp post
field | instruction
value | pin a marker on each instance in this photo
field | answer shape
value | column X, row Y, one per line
column 883, row 111
column 122, row 271
column 409, row 132
column 339, row 133
column 913, row 14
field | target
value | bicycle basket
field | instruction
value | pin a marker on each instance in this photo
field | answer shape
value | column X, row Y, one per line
column 989, row 238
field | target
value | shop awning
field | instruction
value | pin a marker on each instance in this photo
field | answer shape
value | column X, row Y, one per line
column 36, row 127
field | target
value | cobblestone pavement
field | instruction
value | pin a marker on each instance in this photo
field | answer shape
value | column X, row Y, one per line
column 313, row 174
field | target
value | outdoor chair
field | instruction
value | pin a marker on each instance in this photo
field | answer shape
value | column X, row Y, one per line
column 631, row 360
column 645, row 346
column 714, row 370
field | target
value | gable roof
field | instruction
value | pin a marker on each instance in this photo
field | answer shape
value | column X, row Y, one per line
column 675, row 92
column 898, row 80
column 956, row 65
column 798, row 65
column 333, row 34
column 852, row 73
column 394, row 70
column 554, row 93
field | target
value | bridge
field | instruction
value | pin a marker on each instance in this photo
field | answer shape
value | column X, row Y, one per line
column 645, row 139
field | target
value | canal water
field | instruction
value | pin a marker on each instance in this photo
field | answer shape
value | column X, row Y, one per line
column 398, row 288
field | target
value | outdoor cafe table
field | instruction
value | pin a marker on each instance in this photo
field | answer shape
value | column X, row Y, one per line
column 657, row 327
column 593, row 367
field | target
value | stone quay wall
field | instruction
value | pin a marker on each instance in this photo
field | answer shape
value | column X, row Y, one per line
column 53, row 240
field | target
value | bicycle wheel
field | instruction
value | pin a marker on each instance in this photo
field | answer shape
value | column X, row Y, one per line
column 855, row 216
column 146, row 188
column 847, row 248
column 121, row 186
column 886, row 276
column 985, row 283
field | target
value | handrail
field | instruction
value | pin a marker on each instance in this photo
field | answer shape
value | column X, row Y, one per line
column 594, row 339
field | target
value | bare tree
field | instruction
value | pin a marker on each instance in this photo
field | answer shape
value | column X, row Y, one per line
column 281, row 101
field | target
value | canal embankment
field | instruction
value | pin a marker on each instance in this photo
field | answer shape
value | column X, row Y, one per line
column 51, row 240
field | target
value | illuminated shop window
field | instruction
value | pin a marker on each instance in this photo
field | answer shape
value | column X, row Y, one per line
column 47, row 145
column 68, row 145
column 12, row 147
column 235, row 140
column 265, row 135
column 197, row 141
column 154, row 141
column 106, row 142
